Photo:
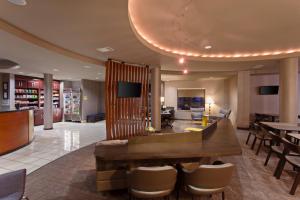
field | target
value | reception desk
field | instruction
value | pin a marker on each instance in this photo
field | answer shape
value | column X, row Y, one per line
column 16, row 129
column 113, row 159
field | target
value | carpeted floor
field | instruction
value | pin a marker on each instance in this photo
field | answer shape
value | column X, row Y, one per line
column 73, row 177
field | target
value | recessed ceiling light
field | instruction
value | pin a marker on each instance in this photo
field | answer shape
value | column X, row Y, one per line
column 208, row 47
column 16, row 67
column 185, row 71
column 97, row 78
column 105, row 49
column 181, row 60
column 99, row 73
column 87, row 67
column 21, row 72
column 55, row 70
column 18, row 2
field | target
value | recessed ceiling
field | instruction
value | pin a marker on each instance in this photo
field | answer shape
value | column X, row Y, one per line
column 85, row 26
column 256, row 29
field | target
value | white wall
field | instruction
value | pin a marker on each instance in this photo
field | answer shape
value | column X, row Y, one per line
column 213, row 88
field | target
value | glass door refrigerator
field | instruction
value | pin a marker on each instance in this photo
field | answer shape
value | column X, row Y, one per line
column 72, row 105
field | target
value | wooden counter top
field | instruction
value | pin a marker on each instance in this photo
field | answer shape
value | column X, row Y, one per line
column 221, row 141
column 16, row 129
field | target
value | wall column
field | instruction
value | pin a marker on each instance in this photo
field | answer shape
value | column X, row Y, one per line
column 155, row 98
column 48, row 104
column 243, row 99
column 288, row 90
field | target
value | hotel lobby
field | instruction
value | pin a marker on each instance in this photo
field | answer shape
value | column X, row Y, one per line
column 149, row 99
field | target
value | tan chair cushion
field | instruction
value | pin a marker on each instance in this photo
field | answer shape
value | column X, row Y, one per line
column 155, row 194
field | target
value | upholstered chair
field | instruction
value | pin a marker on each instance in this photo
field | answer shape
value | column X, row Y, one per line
column 208, row 179
column 12, row 185
column 151, row 182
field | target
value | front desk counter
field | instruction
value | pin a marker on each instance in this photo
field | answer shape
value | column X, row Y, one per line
column 16, row 129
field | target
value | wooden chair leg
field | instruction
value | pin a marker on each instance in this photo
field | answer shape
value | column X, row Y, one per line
column 223, row 195
column 259, row 146
column 253, row 143
column 248, row 138
column 295, row 184
column 280, row 168
column 268, row 157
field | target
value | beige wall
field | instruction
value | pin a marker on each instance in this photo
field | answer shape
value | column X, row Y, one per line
column 213, row 88
column 243, row 101
column 265, row 103
column 93, row 97
column 231, row 97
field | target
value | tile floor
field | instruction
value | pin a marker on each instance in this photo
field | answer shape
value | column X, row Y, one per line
column 52, row 144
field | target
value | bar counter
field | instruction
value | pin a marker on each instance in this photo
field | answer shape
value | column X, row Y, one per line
column 113, row 158
column 16, row 129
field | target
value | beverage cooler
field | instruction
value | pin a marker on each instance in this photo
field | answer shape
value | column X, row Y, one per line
column 72, row 111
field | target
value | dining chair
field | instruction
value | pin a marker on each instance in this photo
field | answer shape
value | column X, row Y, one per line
column 262, row 136
column 151, row 182
column 294, row 160
column 12, row 185
column 276, row 146
column 252, row 131
column 208, row 179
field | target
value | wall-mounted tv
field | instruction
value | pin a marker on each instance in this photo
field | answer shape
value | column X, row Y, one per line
column 268, row 90
column 129, row 89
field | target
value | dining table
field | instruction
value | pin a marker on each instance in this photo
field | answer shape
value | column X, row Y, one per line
column 282, row 126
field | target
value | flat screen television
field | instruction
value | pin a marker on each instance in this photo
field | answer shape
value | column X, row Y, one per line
column 268, row 90
column 129, row 89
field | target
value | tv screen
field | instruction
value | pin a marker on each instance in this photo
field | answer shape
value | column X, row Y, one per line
column 129, row 89
column 268, row 90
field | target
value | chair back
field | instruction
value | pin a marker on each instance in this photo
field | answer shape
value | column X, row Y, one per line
column 289, row 146
column 210, row 176
column 276, row 139
column 13, row 183
column 151, row 179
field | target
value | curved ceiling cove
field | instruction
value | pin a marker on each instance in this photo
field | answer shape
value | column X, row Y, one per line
column 218, row 30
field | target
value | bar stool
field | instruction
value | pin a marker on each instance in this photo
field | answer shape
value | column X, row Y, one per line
column 151, row 182
column 208, row 179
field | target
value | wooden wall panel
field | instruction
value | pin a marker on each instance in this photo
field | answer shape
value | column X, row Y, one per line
column 125, row 117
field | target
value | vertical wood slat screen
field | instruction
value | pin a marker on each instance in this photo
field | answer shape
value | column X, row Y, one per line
column 125, row 117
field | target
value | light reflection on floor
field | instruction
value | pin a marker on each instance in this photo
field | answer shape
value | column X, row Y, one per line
column 52, row 144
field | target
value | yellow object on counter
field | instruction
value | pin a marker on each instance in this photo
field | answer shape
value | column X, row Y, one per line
column 193, row 129
column 204, row 120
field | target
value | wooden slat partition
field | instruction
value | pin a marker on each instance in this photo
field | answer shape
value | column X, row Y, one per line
column 125, row 117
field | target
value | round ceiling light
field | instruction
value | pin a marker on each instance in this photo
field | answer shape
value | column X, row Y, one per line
column 18, row 2
column 208, row 47
column 185, row 71
column 181, row 60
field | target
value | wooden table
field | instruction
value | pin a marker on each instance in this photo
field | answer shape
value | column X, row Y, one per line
column 218, row 139
column 295, row 135
column 282, row 126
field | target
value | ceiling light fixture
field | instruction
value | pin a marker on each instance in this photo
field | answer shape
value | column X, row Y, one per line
column 99, row 73
column 16, row 67
column 105, row 49
column 185, row 71
column 181, row 60
column 87, row 67
column 208, row 47
column 21, row 72
column 18, row 2
column 55, row 70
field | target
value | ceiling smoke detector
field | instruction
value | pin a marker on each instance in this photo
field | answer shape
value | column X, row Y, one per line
column 105, row 49
column 18, row 2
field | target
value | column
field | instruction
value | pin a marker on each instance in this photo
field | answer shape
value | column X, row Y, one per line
column 288, row 90
column 155, row 98
column 48, row 104
column 243, row 99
